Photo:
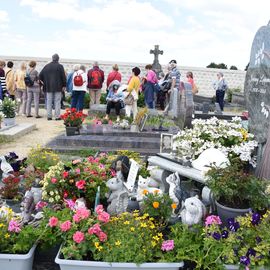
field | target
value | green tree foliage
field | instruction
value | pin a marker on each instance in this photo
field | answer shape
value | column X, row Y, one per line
column 214, row 65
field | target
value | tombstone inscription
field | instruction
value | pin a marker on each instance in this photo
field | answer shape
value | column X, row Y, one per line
column 257, row 85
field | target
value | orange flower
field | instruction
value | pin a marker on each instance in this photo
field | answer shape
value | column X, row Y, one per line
column 156, row 191
column 145, row 192
column 155, row 204
column 173, row 205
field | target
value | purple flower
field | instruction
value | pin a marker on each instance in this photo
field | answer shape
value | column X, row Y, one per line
column 258, row 239
column 167, row 245
column 224, row 234
column 245, row 260
column 216, row 235
column 251, row 252
column 256, row 219
column 233, row 225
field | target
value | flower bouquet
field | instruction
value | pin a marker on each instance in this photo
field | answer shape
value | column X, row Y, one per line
column 73, row 118
column 229, row 137
column 76, row 179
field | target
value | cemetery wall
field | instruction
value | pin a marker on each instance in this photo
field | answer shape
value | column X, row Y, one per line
column 204, row 77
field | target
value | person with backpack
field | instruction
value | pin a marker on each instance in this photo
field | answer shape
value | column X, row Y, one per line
column 114, row 75
column 220, row 86
column 10, row 80
column 95, row 80
column 53, row 79
column 79, row 81
column 76, row 67
column 33, row 89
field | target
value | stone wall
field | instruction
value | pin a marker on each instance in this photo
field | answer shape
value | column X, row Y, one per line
column 204, row 77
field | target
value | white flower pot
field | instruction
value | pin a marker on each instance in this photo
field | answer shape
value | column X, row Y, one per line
column 9, row 121
column 17, row 261
column 93, row 265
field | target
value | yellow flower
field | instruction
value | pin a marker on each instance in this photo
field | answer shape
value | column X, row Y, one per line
column 98, row 247
column 156, row 191
column 152, row 226
column 145, row 192
column 7, row 235
column 132, row 229
column 154, row 243
column 126, row 222
column 173, row 205
column 143, row 225
column 156, row 204
column 160, row 234
column 117, row 243
column 155, row 237
column 1, row 225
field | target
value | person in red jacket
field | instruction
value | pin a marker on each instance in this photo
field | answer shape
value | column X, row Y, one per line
column 114, row 75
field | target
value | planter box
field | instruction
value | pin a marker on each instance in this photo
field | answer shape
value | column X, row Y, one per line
column 93, row 265
column 17, row 261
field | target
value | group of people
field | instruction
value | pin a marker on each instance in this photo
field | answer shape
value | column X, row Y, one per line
column 26, row 84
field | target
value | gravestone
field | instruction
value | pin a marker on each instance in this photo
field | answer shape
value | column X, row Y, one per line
column 156, row 65
column 257, row 85
column 205, row 107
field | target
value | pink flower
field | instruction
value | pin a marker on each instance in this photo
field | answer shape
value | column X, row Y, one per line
column 167, row 245
column 65, row 226
column 104, row 217
column 76, row 161
column 95, row 229
column 212, row 220
column 99, row 209
column 53, row 180
column 76, row 218
column 53, row 221
column 110, row 122
column 78, row 170
column 83, row 213
column 69, row 203
column 113, row 173
column 65, row 174
column 80, row 184
column 78, row 237
column 102, row 236
column 14, row 226
column 40, row 205
column 101, row 166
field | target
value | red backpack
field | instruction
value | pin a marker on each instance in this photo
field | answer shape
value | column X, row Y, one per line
column 96, row 79
column 78, row 80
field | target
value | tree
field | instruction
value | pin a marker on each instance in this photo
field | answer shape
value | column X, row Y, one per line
column 214, row 65
column 233, row 68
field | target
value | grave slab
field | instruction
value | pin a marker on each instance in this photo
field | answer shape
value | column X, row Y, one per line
column 17, row 130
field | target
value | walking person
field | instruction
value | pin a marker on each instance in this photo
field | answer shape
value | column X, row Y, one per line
column 10, row 80
column 53, row 79
column 33, row 90
column 220, row 86
column 21, row 92
column 95, row 80
column 79, row 87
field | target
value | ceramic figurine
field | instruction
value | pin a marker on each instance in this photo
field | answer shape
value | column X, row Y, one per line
column 27, row 206
column 5, row 167
column 80, row 203
column 118, row 198
column 143, row 186
column 194, row 211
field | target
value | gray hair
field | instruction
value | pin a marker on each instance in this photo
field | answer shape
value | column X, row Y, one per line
column 76, row 67
column 82, row 67
column 95, row 64
column 220, row 74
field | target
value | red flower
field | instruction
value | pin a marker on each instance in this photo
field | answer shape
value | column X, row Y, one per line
column 80, row 184
column 65, row 174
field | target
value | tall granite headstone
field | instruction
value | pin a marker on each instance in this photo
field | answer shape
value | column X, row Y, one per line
column 257, row 85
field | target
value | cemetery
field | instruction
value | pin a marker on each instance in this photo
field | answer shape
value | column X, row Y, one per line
column 182, row 189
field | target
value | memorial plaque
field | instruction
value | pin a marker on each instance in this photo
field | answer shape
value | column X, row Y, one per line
column 257, row 85
column 132, row 175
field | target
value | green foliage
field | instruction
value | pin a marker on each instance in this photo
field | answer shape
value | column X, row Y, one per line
column 42, row 158
column 131, row 238
column 8, row 107
column 230, row 92
column 5, row 139
column 158, row 206
column 85, row 102
column 233, row 68
column 157, row 120
column 214, row 65
column 234, row 187
column 140, row 101
column 103, row 98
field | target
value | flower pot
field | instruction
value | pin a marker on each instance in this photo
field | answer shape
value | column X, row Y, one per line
column 14, row 205
column 225, row 212
column 17, row 261
column 93, row 265
column 9, row 121
column 72, row 131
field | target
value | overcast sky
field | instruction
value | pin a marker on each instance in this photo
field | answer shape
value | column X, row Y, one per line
column 194, row 32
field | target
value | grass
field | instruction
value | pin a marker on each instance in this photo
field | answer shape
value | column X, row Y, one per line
column 5, row 139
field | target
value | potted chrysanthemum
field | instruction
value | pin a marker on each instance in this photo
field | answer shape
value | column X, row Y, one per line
column 8, row 108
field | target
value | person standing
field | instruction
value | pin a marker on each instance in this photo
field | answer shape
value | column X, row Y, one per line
column 190, row 80
column 79, row 88
column 33, row 91
column 149, row 87
column 95, row 80
column 10, row 80
column 53, row 79
column 76, row 67
column 133, row 89
column 220, row 86
column 3, row 88
column 113, row 75
column 21, row 92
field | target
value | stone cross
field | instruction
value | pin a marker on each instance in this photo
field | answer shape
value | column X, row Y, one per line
column 156, row 64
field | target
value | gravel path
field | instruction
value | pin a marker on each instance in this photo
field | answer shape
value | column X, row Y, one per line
column 44, row 132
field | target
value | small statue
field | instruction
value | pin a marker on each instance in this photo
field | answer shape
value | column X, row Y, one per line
column 194, row 211
column 118, row 197
column 143, row 187
column 5, row 168
column 121, row 164
column 80, row 203
column 27, row 206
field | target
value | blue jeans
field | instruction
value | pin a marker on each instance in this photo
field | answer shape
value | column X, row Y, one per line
column 220, row 98
column 77, row 100
column 150, row 105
